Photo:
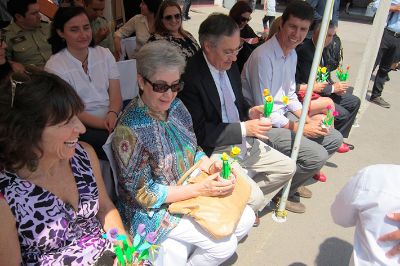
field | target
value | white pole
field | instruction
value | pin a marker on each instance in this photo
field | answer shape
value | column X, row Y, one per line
column 280, row 214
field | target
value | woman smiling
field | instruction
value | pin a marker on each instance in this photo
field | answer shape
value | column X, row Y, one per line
column 53, row 203
column 168, row 27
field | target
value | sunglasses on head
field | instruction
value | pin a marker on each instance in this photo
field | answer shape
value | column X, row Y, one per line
column 161, row 88
column 170, row 17
column 243, row 19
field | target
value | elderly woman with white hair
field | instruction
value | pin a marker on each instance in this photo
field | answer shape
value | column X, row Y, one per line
column 154, row 145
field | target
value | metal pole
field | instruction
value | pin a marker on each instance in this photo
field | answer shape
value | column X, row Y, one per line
column 280, row 214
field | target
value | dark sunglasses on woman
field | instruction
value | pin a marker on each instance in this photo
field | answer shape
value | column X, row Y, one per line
column 245, row 19
column 170, row 17
column 161, row 88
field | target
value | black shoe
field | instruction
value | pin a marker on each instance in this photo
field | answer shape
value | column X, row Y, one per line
column 380, row 101
column 351, row 146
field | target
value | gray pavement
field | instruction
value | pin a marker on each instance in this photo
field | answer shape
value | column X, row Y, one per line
column 312, row 238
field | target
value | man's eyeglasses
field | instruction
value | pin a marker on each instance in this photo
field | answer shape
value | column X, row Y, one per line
column 161, row 88
column 170, row 17
column 244, row 19
column 233, row 52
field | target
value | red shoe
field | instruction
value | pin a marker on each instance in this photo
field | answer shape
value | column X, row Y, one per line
column 343, row 148
column 321, row 177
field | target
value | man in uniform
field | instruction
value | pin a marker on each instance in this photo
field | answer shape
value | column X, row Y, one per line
column 102, row 29
column 27, row 36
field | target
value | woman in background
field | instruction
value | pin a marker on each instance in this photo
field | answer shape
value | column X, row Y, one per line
column 91, row 70
column 142, row 25
column 169, row 27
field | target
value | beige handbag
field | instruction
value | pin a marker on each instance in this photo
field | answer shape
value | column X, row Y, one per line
column 218, row 216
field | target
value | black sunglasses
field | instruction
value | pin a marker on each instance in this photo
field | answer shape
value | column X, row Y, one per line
column 243, row 19
column 176, row 16
column 161, row 88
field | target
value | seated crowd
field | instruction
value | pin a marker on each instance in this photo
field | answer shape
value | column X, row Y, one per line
column 194, row 105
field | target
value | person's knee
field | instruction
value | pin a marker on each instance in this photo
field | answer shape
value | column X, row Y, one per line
column 290, row 169
column 336, row 140
column 314, row 158
column 222, row 250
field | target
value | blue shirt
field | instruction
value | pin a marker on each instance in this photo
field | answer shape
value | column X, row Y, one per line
column 393, row 22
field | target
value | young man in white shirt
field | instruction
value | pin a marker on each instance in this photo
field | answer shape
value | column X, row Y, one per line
column 273, row 66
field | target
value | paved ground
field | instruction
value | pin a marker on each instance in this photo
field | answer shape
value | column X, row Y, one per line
column 312, row 238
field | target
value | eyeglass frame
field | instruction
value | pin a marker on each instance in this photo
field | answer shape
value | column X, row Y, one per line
column 170, row 17
column 234, row 52
column 244, row 19
column 168, row 87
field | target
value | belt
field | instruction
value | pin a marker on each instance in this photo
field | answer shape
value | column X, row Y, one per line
column 393, row 33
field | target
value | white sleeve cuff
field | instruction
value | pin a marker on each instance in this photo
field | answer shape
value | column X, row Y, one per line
column 243, row 128
column 333, row 88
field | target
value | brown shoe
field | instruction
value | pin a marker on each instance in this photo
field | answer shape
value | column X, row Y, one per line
column 303, row 192
column 380, row 101
column 296, row 207
column 257, row 220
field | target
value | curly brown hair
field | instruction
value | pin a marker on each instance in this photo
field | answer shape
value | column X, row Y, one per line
column 41, row 99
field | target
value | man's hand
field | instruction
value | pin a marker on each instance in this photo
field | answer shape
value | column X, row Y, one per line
column 101, row 34
column 314, row 130
column 257, row 128
column 340, row 88
column 319, row 87
column 256, row 112
column 393, row 236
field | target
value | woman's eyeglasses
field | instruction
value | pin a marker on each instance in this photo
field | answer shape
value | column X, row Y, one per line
column 170, row 17
column 243, row 19
column 161, row 88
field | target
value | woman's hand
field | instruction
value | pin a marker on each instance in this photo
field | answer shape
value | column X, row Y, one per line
column 110, row 121
column 215, row 167
column 117, row 47
column 215, row 186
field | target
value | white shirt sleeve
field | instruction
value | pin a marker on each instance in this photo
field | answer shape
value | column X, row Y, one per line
column 343, row 210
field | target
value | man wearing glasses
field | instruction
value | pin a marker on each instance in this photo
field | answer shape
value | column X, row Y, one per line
column 221, row 116
column 27, row 35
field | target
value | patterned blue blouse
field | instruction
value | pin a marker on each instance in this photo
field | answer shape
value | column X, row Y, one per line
column 153, row 150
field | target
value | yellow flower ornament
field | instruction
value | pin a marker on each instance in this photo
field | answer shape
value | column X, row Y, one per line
column 285, row 100
column 235, row 152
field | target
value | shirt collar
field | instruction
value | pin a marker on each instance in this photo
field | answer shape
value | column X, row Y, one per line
column 17, row 29
column 278, row 50
column 213, row 70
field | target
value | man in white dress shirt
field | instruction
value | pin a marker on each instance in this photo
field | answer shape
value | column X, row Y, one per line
column 273, row 66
